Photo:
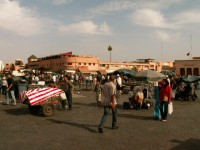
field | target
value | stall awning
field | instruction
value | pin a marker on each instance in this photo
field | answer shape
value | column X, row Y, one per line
column 83, row 69
column 102, row 72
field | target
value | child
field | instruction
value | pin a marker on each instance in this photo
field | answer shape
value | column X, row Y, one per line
column 98, row 90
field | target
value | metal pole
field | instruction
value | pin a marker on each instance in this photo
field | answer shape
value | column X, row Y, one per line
column 110, row 56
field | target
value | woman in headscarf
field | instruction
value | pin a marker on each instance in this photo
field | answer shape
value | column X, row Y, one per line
column 157, row 90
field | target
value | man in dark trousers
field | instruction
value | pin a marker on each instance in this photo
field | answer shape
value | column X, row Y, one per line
column 68, row 87
column 10, row 90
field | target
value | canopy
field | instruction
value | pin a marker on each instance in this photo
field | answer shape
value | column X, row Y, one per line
column 126, row 72
column 191, row 79
column 169, row 73
column 148, row 75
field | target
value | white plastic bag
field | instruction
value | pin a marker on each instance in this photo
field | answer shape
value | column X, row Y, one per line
column 63, row 96
column 170, row 108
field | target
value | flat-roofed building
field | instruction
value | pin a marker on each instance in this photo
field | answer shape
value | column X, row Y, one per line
column 188, row 67
column 64, row 61
column 67, row 61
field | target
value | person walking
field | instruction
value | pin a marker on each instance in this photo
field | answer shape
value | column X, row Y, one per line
column 4, row 85
column 68, row 87
column 119, row 86
column 98, row 92
column 157, row 90
column 10, row 90
column 109, row 92
column 165, row 98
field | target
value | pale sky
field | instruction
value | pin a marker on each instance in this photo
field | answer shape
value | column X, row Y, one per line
column 158, row 29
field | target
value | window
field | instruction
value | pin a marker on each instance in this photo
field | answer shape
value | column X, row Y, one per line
column 189, row 71
column 69, row 63
column 84, row 63
column 182, row 71
column 93, row 64
column 89, row 64
column 196, row 71
column 79, row 63
column 152, row 66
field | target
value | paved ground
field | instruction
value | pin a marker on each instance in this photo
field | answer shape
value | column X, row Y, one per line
column 77, row 129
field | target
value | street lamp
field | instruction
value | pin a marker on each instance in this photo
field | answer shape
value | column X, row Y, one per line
column 110, row 49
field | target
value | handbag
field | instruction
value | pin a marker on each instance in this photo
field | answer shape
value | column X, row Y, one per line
column 165, row 99
column 170, row 108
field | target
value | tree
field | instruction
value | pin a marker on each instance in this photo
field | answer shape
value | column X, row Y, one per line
column 110, row 49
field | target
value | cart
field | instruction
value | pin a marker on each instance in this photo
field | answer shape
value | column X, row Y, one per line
column 45, row 99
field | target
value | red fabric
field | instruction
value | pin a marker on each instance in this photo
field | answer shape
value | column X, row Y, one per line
column 68, row 54
column 40, row 94
column 167, row 91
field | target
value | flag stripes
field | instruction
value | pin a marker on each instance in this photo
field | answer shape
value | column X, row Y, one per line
column 38, row 95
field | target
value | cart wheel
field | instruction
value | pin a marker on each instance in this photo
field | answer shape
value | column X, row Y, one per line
column 48, row 110
column 34, row 109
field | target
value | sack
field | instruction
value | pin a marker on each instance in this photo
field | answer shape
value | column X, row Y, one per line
column 63, row 96
column 146, row 105
column 165, row 99
column 170, row 108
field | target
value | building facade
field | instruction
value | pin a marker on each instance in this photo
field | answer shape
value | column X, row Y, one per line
column 188, row 67
column 88, row 64
column 64, row 61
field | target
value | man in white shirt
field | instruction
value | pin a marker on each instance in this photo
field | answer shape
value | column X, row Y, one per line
column 109, row 92
column 119, row 86
column 54, row 78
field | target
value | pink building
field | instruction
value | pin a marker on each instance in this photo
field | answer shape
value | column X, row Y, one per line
column 64, row 61
column 87, row 64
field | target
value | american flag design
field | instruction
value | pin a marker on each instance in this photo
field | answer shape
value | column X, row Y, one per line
column 38, row 95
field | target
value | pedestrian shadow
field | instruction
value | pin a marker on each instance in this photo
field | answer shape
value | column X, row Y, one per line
column 22, row 111
column 188, row 144
column 17, row 111
column 135, row 117
column 84, row 126
column 94, row 104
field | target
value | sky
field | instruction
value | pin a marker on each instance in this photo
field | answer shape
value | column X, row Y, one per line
column 163, row 30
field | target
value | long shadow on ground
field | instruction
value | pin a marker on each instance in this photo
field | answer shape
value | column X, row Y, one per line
column 18, row 111
column 191, row 144
column 135, row 117
column 84, row 126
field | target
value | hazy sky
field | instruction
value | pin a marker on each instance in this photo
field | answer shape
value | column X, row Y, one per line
column 158, row 29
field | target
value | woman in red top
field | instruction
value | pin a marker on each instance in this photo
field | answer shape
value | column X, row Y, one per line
column 165, row 97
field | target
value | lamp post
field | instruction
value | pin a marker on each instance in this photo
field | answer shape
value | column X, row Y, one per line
column 110, row 49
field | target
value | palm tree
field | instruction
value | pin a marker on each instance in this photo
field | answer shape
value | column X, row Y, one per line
column 110, row 49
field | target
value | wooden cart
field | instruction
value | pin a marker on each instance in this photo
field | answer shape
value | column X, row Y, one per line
column 47, row 103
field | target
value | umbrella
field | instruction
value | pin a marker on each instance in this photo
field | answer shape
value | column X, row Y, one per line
column 126, row 72
column 149, row 75
column 169, row 73
column 191, row 79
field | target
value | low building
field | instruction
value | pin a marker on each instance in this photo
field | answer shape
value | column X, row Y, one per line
column 88, row 64
column 188, row 67
column 19, row 64
column 64, row 61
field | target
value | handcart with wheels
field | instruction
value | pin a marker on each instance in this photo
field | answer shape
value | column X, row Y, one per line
column 43, row 99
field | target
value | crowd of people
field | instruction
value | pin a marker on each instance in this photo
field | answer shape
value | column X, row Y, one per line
column 108, row 89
